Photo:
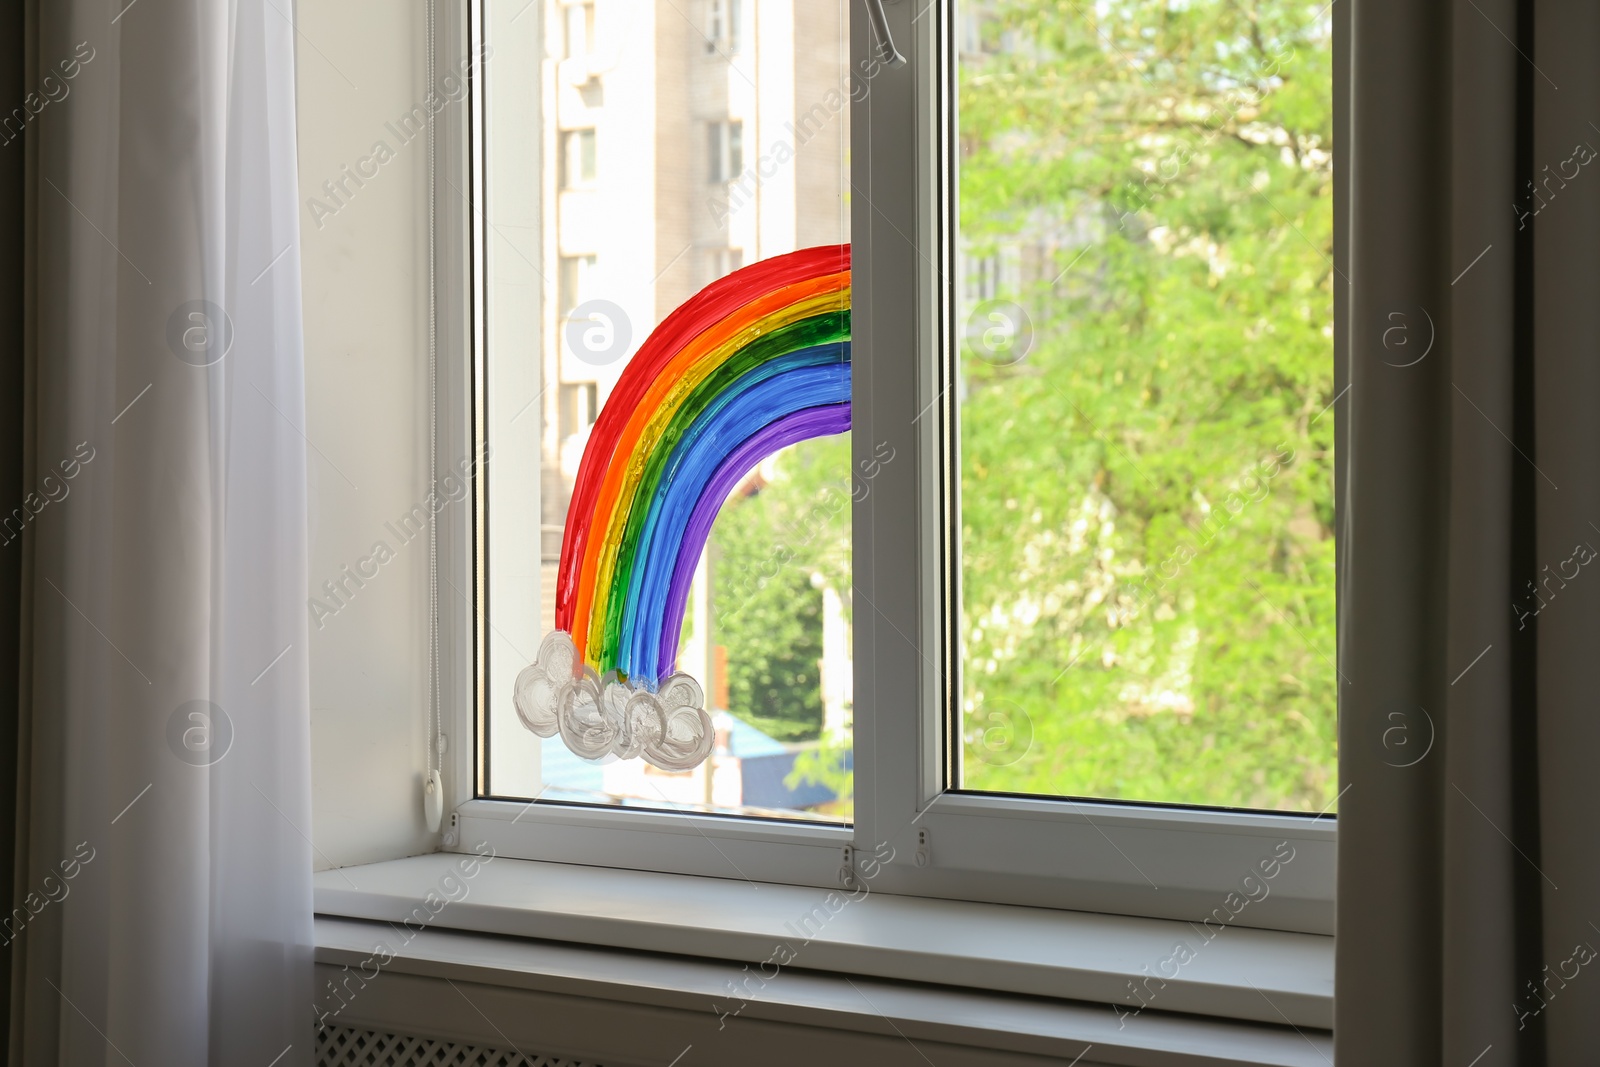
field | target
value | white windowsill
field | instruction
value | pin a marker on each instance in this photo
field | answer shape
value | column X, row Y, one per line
column 950, row 948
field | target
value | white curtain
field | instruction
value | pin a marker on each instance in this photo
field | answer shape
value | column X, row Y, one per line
column 165, row 807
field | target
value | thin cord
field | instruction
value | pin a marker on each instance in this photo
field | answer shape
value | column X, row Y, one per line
column 433, row 433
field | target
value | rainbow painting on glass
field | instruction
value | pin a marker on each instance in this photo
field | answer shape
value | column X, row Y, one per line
column 754, row 362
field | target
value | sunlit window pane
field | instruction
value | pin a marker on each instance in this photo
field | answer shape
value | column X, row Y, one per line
column 1146, row 371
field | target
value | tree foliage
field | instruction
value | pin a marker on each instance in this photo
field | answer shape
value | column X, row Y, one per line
column 772, row 553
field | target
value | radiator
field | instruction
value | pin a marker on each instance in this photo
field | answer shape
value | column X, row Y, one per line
column 341, row 1046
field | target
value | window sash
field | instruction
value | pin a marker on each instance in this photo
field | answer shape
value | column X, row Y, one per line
column 1095, row 855
column 491, row 291
column 734, row 161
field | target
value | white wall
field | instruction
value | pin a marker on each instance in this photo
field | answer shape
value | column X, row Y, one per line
column 361, row 67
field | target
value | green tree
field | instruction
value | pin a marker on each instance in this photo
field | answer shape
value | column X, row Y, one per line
column 773, row 551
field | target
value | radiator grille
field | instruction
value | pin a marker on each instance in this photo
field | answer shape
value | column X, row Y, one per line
column 340, row 1046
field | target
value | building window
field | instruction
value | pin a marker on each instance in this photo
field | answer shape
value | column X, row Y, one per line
column 981, row 277
column 971, row 33
column 1078, row 547
column 575, row 283
column 577, row 158
column 724, row 26
column 720, row 262
column 724, row 150
column 579, row 406
column 577, row 25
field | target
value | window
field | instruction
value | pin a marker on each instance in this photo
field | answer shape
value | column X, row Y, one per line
column 576, row 282
column 980, row 278
column 765, row 602
column 577, row 28
column 724, row 150
column 1054, row 619
column 723, row 24
column 577, row 159
column 720, row 262
column 579, row 406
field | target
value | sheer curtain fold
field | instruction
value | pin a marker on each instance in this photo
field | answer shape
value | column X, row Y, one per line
column 1469, row 884
column 165, row 808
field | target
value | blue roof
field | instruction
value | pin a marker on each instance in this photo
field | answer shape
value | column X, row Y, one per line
column 745, row 741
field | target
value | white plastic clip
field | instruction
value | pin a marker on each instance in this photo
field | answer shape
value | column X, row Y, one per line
column 433, row 801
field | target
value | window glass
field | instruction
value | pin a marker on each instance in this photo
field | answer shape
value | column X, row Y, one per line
column 723, row 25
column 733, row 164
column 725, row 150
column 672, row 202
column 578, row 29
column 720, row 262
column 576, row 282
column 716, row 141
column 1146, row 381
column 716, row 15
column 577, row 158
column 579, row 407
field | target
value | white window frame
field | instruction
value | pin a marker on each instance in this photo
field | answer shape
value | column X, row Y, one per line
column 1077, row 854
